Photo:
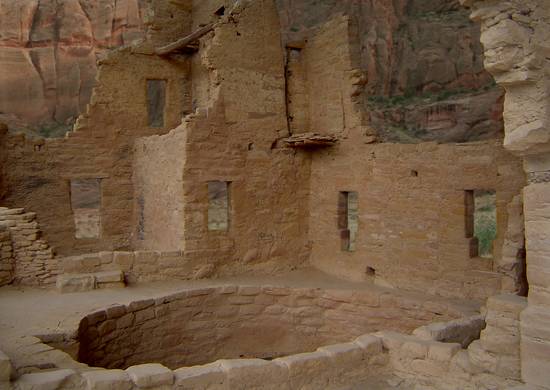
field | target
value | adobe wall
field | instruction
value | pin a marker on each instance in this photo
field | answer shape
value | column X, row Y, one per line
column 334, row 79
column 411, row 213
column 38, row 172
column 234, row 139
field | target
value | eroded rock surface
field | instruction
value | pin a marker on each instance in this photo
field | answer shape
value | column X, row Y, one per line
column 423, row 66
column 48, row 53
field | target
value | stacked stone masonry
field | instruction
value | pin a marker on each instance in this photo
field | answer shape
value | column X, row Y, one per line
column 25, row 254
column 338, row 315
column 200, row 326
column 7, row 262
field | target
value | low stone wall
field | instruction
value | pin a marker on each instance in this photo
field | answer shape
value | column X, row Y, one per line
column 138, row 266
column 34, row 263
column 491, row 362
column 202, row 325
column 330, row 367
column 7, row 262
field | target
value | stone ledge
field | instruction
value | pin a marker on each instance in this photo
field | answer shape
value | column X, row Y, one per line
column 70, row 283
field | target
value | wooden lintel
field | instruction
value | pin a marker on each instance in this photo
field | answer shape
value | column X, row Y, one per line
column 310, row 140
column 186, row 41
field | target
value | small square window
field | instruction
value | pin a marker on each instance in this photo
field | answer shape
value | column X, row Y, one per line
column 156, row 102
column 218, row 205
column 86, row 206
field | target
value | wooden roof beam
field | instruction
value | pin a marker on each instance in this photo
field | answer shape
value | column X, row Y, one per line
column 186, row 41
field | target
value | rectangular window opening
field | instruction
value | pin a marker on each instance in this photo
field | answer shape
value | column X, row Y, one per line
column 348, row 219
column 218, row 206
column 86, row 206
column 481, row 221
column 156, row 102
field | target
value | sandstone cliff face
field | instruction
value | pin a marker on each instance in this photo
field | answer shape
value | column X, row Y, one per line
column 48, row 52
column 423, row 62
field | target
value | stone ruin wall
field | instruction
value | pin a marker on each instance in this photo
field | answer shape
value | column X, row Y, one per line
column 412, row 216
column 26, row 257
column 221, row 141
column 426, row 182
column 234, row 139
column 100, row 147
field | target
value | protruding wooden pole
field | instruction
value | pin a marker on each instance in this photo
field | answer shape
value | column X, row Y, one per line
column 183, row 42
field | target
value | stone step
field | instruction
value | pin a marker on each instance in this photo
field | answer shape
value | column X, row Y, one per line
column 69, row 283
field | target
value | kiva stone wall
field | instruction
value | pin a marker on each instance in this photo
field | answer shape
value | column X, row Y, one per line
column 420, row 360
column 26, row 256
column 330, row 367
column 202, row 325
column 491, row 362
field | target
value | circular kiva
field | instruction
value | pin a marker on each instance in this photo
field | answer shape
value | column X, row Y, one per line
column 202, row 325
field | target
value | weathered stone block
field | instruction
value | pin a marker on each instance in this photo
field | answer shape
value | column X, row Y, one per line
column 344, row 355
column 125, row 260
column 107, row 380
column 46, row 380
column 415, row 349
column 507, row 303
column 140, row 305
column 254, row 373
column 150, row 375
column 443, row 352
column 370, row 344
column 207, row 377
column 308, row 370
column 109, row 277
column 115, row 311
column 75, row 283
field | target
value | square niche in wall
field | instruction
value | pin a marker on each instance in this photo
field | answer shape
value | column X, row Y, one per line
column 218, row 206
column 348, row 219
column 86, row 206
column 156, row 102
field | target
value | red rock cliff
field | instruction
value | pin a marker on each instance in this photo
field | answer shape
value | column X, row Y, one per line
column 48, row 52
